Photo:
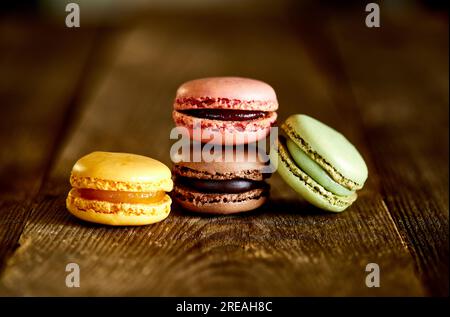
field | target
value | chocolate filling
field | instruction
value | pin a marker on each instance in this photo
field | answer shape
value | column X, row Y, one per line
column 233, row 186
column 225, row 114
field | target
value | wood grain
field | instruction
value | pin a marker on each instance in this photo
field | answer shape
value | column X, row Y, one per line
column 403, row 104
column 38, row 76
column 286, row 248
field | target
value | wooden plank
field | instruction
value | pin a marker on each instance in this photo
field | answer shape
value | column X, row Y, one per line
column 38, row 75
column 286, row 248
column 399, row 77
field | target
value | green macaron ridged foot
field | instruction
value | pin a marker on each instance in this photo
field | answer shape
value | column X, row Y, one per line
column 319, row 163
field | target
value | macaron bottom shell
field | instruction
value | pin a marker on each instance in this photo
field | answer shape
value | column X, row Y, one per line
column 219, row 203
column 117, row 214
column 213, row 136
column 305, row 185
column 225, row 132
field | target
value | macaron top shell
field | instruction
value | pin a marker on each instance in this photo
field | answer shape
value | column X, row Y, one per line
column 329, row 148
column 227, row 165
column 100, row 170
column 226, row 93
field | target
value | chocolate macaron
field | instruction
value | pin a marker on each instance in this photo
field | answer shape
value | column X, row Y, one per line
column 221, row 186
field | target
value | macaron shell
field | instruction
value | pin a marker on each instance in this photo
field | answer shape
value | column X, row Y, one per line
column 328, row 148
column 226, row 93
column 101, row 184
column 225, row 132
column 121, row 167
column 117, row 214
column 236, row 138
column 305, row 186
column 116, row 220
column 229, row 163
column 202, row 171
column 218, row 203
column 224, row 103
column 188, row 121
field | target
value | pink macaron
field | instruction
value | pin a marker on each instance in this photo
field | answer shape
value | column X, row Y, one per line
column 225, row 110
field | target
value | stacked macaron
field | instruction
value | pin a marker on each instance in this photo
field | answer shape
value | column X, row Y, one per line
column 225, row 111
column 221, row 186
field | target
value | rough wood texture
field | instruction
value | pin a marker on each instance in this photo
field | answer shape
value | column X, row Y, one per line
column 38, row 77
column 288, row 247
column 403, row 104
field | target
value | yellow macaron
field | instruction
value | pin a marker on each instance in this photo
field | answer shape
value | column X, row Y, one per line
column 119, row 189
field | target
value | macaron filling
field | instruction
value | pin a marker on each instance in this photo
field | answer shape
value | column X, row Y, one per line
column 233, row 186
column 225, row 114
column 314, row 170
column 120, row 196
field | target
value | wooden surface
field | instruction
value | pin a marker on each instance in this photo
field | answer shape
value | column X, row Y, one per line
column 65, row 93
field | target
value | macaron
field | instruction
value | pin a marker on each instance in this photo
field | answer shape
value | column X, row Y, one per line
column 119, row 189
column 221, row 186
column 319, row 163
column 225, row 110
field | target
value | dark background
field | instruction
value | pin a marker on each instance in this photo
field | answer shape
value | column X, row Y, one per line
column 109, row 85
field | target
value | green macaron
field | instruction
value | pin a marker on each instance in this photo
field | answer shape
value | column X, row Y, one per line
column 319, row 163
